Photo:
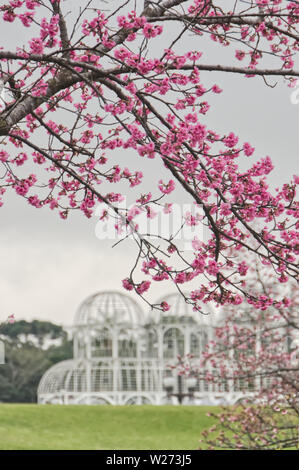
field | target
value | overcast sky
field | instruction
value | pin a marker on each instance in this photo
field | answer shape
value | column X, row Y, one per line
column 48, row 266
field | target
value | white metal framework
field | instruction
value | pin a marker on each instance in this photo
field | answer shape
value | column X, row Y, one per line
column 123, row 356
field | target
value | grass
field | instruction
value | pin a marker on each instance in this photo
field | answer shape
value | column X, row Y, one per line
column 58, row 427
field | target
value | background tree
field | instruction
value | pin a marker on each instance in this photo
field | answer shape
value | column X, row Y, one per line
column 30, row 349
column 87, row 85
column 37, row 332
column 256, row 352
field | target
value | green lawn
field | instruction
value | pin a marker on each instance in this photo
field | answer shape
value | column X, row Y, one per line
column 101, row 427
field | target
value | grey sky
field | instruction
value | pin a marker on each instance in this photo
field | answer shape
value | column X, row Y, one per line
column 48, row 266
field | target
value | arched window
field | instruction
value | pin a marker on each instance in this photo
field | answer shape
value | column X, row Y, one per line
column 76, row 380
column 173, row 343
column 101, row 379
column 198, row 342
column 127, row 345
column 194, row 344
column 204, row 340
column 101, row 345
column 80, row 342
column 149, row 344
column 128, row 379
column 138, row 400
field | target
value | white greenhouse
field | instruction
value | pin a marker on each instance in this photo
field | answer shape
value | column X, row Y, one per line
column 124, row 356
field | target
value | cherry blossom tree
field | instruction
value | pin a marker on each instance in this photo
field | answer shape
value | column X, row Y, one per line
column 255, row 353
column 86, row 86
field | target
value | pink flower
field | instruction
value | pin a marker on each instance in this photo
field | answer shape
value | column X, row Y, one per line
column 287, row 302
column 212, row 267
column 34, row 201
column 240, row 55
column 53, row 204
column 166, row 188
column 9, row 16
column 143, row 287
column 26, row 19
column 127, row 284
column 238, row 300
column 165, row 306
column 3, row 156
column 31, row 4
column 151, row 31
column 248, row 150
column 242, row 268
column 225, row 209
column 216, row 89
column 231, row 140
column 63, row 215
column 40, row 89
column 20, row 159
column 16, row 3
column 87, row 137
column 135, row 210
column 180, row 278
column 200, row 90
column 36, row 46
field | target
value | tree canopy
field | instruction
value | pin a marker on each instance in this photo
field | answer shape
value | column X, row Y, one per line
column 28, row 354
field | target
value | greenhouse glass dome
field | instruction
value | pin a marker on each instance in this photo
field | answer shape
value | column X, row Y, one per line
column 124, row 356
